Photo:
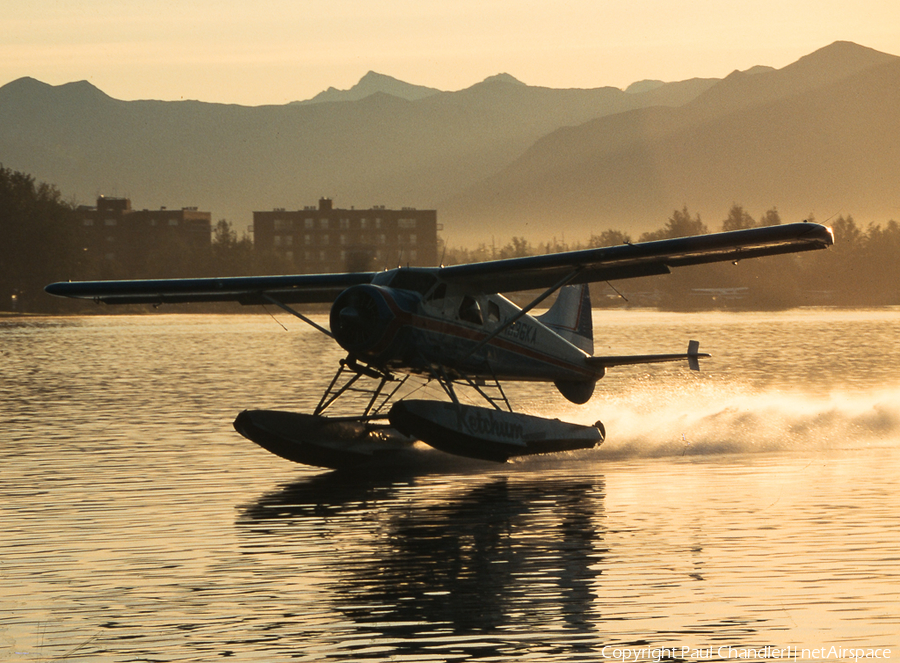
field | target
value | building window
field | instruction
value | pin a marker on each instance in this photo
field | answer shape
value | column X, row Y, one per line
column 324, row 239
column 307, row 239
column 323, row 224
column 406, row 223
column 109, row 222
column 382, row 239
column 309, row 224
column 378, row 223
column 173, row 222
column 343, row 238
column 282, row 224
column 88, row 222
column 363, row 223
column 412, row 239
column 289, row 255
column 413, row 255
column 345, row 224
column 276, row 241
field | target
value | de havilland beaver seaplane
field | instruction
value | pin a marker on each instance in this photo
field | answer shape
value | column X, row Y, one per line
column 450, row 326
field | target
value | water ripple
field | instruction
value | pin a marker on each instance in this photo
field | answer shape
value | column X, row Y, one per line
column 745, row 508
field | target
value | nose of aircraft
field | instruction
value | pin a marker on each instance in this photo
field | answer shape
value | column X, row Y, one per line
column 349, row 317
column 359, row 318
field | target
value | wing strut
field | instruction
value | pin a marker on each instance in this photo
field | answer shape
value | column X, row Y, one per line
column 518, row 316
column 373, row 408
column 480, row 386
column 287, row 308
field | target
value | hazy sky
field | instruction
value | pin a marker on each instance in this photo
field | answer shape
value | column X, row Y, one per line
column 275, row 51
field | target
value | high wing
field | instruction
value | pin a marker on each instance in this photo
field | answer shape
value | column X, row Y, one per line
column 514, row 274
column 641, row 259
column 300, row 289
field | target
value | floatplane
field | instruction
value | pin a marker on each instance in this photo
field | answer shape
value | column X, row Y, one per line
column 450, row 326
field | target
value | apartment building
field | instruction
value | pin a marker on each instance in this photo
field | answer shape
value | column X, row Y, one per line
column 326, row 239
column 115, row 232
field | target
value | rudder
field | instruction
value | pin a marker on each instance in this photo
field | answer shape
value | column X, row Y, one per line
column 570, row 317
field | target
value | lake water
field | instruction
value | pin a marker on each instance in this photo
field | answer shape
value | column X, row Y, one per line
column 746, row 512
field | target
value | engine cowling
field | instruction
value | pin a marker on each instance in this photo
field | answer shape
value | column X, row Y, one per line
column 359, row 319
column 373, row 323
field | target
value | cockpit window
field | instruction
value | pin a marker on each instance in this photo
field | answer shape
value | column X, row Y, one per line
column 438, row 293
column 469, row 311
column 409, row 279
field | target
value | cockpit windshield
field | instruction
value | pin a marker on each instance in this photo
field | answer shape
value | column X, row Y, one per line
column 409, row 279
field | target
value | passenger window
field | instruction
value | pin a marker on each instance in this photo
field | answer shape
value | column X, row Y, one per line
column 493, row 312
column 469, row 311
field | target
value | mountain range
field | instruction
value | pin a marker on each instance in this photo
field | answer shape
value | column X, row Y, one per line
column 497, row 159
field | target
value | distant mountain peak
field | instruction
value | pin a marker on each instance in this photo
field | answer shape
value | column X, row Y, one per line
column 76, row 92
column 752, row 71
column 503, row 78
column 842, row 47
column 643, row 86
column 373, row 83
column 758, row 69
column 83, row 89
column 25, row 82
column 24, row 86
column 374, row 78
column 841, row 58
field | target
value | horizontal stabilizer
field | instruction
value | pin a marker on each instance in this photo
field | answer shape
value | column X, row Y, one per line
column 692, row 356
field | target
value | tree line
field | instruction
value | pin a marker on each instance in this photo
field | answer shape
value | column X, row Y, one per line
column 39, row 244
column 862, row 269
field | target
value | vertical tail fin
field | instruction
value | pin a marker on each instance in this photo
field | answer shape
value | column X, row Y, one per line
column 694, row 355
column 570, row 317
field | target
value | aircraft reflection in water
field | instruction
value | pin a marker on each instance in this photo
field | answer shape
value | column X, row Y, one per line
column 467, row 560
column 449, row 326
